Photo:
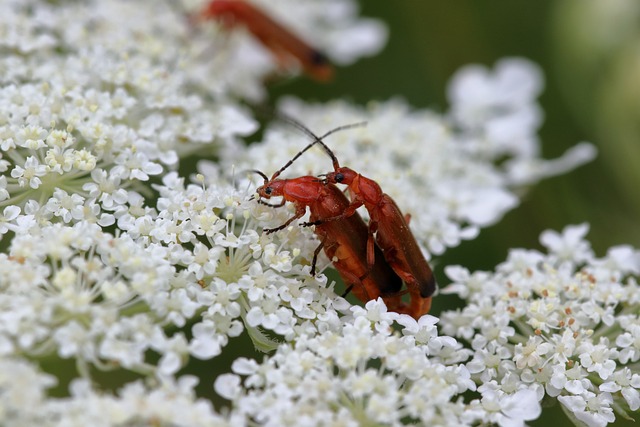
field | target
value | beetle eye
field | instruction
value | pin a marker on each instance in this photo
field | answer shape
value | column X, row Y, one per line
column 338, row 177
column 268, row 191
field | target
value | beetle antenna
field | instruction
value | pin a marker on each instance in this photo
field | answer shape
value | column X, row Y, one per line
column 320, row 141
column 316, row 140
column 256, row 171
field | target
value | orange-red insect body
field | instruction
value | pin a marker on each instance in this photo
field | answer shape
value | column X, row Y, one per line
column 282, row 42
column 387, row 224
column 344, row 241
column 392, row 234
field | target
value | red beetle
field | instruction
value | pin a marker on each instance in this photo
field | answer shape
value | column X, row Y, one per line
column 388, row 227
column 282, row 42
column 344, row 241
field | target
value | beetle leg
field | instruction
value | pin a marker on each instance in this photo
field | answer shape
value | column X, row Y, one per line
column 414, row 286
column 371, row 243
column 351, row 209
column 280, row 227
column 353, row 281
column 300, row 211
column 315, row 255
column 279, row 205
column 346, row 292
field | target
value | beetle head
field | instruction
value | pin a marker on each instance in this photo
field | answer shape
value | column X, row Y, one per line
column 341, row 175
column 272, row 188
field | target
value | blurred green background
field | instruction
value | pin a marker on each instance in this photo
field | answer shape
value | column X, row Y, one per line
column 589, row 51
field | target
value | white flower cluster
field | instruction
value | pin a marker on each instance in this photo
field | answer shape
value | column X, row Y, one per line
column 110, row 272
column 360, row 372
column 104, row 300
column 559, row 325
column 169, row 402
column 452, row 173
column 96, row 98
column 196, row 263
column 565, row 322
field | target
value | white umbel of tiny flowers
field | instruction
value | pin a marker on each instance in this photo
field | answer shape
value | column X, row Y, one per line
column 97, row 98
column 23, row 392
column 112, row 111
column 124, row 93
column 572, row 315
column 360, row 372
column 168, row 401
column 103, row 300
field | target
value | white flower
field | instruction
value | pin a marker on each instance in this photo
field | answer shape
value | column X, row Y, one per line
column 464, row 282
column 174, row 350
column 593, row 410
column 65, row 206
column 278, row 260
column 24, row 388
column 29, row 174
column 628, row 384
column 629, row 342
column 206, row 342
column 228, row 386
column 568, row 246
column 376, row 312
column 510, row 410
column 574, row 380
column 8, row 214
column 490, row 363
column 127, row 341
column 565, row 346
column 31, row 137
column 598, row 358
column 422, row 330
column 106, row 189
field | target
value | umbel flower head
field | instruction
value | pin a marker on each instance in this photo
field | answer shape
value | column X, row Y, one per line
column 564, row 322
column 116, row 259
column 560, row 325
column 133, row 90
column 362, row 373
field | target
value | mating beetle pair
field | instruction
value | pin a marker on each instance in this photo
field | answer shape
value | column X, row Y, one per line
column 373, row 260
